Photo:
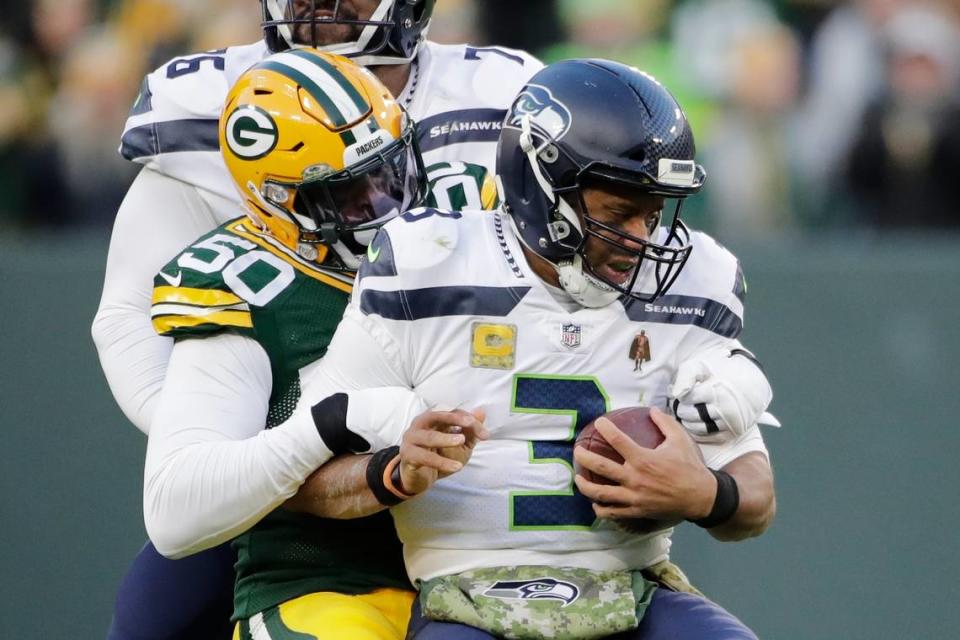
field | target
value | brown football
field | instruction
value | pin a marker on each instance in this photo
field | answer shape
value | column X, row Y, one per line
column 636, row 423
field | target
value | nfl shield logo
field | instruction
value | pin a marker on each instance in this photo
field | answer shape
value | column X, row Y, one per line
column 570, row 335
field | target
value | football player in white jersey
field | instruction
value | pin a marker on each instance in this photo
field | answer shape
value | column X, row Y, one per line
column 458, row 94
column 530, row 314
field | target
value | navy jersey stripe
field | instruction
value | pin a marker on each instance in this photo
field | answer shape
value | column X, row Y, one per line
column 438, row 302
column 144, row 102
column 379, row 260
column 170, row 136
column 466, row 125
column 701, row 312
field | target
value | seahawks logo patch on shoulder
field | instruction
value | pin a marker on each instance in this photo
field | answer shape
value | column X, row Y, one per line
column 545, row 111
column 536, row 589
column 250, row 132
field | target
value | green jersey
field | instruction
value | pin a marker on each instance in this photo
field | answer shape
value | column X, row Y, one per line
column 240, row 279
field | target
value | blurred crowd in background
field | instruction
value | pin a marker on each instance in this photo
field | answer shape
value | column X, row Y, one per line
column 809, row 115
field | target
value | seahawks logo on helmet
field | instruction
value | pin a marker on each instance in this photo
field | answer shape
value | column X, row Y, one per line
column 546, row 112
column 250, row 132
column 536, row 589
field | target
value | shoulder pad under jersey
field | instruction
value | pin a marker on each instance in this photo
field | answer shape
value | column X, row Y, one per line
column 179, row 104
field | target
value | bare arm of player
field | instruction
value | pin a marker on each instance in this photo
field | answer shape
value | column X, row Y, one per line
column 338, row 490
column 158, row 217
column 437, row 444
column 758, row 500
column 672, row 481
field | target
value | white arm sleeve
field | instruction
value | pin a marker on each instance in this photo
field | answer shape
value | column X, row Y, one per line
column 363, row 362
column 212, row 470
column 159, row 217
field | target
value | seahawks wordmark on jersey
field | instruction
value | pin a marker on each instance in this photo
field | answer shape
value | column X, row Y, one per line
column 458, row 96
column 463, row 321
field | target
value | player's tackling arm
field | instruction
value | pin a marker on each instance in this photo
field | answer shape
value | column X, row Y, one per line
column 212, row 471
column 338, row 489
column 360, row 357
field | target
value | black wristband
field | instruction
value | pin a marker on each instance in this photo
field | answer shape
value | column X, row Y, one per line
column 375, row 472
column 726, row 502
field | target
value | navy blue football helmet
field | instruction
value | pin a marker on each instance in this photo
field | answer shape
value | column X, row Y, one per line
column 391, row 35
column 590, row 121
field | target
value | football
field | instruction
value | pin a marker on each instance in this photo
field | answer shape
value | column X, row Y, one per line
column 636, row 423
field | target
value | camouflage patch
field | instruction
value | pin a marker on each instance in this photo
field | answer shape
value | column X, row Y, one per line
column 540, row 602
column 672, row 577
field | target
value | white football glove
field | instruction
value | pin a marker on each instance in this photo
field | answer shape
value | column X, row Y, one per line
column 720, row 394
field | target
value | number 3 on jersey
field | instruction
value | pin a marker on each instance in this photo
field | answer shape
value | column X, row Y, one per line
column 583, row 399
column 256, row 276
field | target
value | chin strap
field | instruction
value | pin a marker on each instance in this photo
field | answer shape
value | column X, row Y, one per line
column 349, row 259
column 587, row 291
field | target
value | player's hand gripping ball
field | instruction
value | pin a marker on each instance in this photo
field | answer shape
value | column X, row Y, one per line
column 636, row 423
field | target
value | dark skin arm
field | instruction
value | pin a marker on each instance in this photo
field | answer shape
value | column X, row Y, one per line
column 437, row 444
column 672, row 482
column 337, row 490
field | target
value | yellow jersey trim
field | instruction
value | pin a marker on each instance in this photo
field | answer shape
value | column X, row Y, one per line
column 263, row 240
column 166, row 324
column 196, row 297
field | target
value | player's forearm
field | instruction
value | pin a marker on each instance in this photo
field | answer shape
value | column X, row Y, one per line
column 211, row 469
column 758, row 503
column 201, row 494
column 338, row 490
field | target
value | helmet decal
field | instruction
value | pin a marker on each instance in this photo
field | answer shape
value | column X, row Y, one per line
column 583, row 126
column 546, row 112
column 321, row 153
column 250, row 132
column 678, row 173
column 338, row 97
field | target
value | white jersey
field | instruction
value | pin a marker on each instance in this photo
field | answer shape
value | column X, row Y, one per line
column 457, row 94
column 450, row 308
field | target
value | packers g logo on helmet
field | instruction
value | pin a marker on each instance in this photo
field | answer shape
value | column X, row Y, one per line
column 250, row 132
column 321, row 154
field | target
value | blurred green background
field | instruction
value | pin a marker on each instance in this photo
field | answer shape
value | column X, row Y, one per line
column 831, row 135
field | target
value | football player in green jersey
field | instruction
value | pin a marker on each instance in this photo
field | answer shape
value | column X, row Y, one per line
column 323, row 156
